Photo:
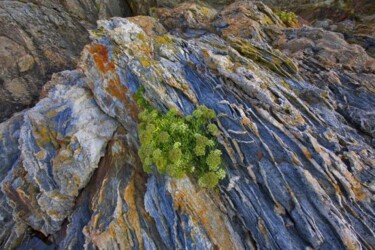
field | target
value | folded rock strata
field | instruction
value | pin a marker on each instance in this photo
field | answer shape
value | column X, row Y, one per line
column 296, row 120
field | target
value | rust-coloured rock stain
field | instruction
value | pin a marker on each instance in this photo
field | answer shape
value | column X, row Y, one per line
column 100, row 55
column 110, row 78
column 133, row 215
column 201, row 206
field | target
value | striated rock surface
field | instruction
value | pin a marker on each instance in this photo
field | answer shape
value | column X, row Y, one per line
column 296, row 120
column 61, row 141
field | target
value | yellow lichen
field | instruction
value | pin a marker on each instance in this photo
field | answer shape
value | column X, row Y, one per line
column 163, row 39
column 140, row 36
column 145, row 63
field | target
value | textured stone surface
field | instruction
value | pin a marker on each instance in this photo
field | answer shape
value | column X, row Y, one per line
column 61, row 141
column 146, row 7
column 361, row 31
column 296, row 120
column 354, row 19
column 11, row 234
column 320, row 9
column 38, row 38
column 41, row 37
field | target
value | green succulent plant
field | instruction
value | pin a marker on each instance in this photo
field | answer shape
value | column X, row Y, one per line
column 288, row 18
column 179, row 145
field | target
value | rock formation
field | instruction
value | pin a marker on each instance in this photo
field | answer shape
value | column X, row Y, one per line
column 355, row 19
column 38, row 38
column 296, row 120
column 41, row 37
column 335, row 9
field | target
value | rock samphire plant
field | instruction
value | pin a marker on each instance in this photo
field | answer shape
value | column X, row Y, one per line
column 179, row 145
column 288, row 18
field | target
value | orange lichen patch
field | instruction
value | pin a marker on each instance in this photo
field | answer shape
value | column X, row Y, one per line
column 110, row 77
column 101, row 57
column 132, row 214
column 262, row 229
column 119, row 231
column 306, row 152
column 338, row 190
column 201, row 205
column 116, row 234
column 43, row 135
column 358, row 189
column 116, row 89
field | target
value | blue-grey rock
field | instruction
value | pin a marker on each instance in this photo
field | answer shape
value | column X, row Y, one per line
column 295, row 114
column 61, row 141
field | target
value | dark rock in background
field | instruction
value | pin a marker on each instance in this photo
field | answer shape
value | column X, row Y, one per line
column 353, row 18
column 38, row 38
column 337, row 10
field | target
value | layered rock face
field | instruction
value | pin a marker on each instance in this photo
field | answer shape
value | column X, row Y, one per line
column 296, row 120
column 41, row 37
column 38, row 38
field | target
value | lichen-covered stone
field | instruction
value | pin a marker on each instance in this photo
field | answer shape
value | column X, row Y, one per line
column 296, row 125
column 61, row 141
column 12, row 233
column 41, row 37
column 272, row 133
